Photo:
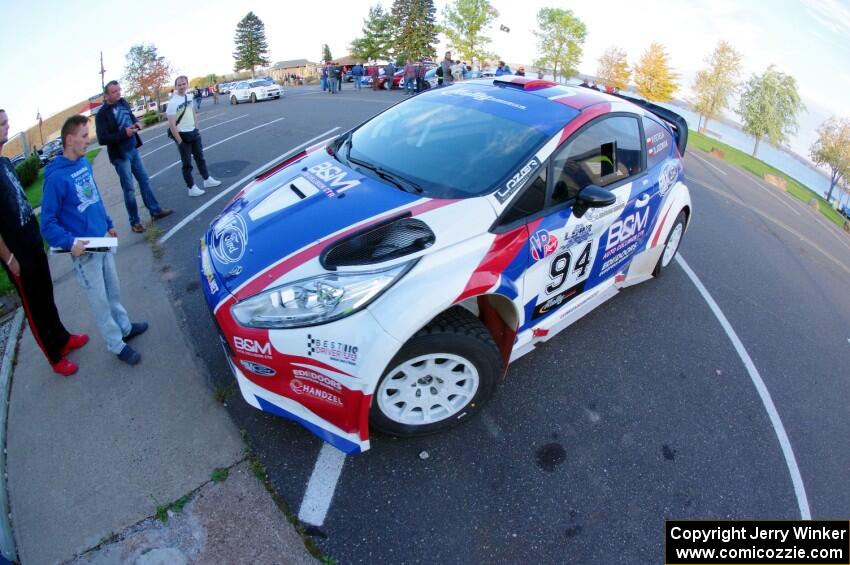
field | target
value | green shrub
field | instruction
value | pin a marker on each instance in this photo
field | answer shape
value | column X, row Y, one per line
column 28, row 170
column 150, row 118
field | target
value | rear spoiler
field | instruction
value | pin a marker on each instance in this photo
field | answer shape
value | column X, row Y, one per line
column 674, row 120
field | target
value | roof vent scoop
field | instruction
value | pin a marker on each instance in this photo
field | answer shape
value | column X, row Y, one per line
column 391, row 240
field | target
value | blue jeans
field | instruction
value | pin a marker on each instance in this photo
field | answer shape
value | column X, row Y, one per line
column 409, row 85
column 357, row 81
column 96, row 273
column 128, row 167
column 198, row 102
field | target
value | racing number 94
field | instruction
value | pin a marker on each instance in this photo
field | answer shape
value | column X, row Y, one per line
column 559, row 268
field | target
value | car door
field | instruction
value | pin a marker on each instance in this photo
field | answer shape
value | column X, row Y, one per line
column 574, row 254
column 242, row 92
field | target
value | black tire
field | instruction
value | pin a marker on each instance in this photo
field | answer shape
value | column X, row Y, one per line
column 426, row 85
column 680, row 220
column 253, row 98
column 456, row 332
column 233, row 101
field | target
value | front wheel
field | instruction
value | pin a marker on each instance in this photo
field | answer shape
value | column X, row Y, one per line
column 253, row 98
column 671, row 246
column 233, row 101
column 440, row 377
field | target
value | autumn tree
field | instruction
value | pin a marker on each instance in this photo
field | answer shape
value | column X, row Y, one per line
column 560, row 38
column 769, row 106
column 832, row 149
column 465, row 23
column 654, row 78
column 416, row 22
column 717, row 82
column 377, row 38
column 146, row 70
column 613, row 68
column 252, row 49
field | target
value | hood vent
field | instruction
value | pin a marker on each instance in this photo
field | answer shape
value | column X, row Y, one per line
column 377, row 244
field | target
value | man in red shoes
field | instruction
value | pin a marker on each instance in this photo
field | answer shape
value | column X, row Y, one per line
column 22, row 254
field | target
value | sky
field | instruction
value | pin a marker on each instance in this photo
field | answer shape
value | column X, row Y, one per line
column 52, row 47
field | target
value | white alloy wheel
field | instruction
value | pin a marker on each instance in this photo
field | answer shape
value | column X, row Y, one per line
column 672, row 244
column 427, row 389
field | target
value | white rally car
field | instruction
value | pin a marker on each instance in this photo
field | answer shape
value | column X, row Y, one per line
column 387, row 279
column 254, row 90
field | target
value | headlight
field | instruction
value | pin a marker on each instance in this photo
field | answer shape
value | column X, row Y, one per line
column 316, row 300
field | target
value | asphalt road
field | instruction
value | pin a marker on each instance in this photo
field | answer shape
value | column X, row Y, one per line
column 642, row 411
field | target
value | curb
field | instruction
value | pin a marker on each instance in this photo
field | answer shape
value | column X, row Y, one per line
column 7, row 542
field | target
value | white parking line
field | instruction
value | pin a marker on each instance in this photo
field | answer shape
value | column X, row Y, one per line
column 321, row 487
column 705, row 161
column 250, row 175
column 761, row 388
column 205, row 129
column 208, row 147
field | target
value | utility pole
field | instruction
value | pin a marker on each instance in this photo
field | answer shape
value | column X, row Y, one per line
column 102, row 72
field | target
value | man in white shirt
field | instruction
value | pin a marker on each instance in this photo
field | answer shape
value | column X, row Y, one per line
column 183, row 129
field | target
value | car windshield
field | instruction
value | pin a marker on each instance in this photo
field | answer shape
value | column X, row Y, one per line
column 260, row 83
column 449, row 150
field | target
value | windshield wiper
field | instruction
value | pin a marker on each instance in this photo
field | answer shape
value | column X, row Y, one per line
column 383, row 173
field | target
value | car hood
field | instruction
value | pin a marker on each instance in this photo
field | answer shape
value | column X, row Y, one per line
column 310, row 200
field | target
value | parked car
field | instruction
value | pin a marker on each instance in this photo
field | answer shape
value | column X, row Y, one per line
column 254, row 90
column 370, row 282
column 50, row 150
column 18, row 159
column 224, row 88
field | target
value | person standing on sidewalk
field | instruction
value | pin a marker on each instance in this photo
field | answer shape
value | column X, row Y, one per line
column 118, row 130
column 331, row 67
column 22, row 253
column 357, row 74
column 72, row 212
column 446, row 66
column 409, row 76
column 183, row 129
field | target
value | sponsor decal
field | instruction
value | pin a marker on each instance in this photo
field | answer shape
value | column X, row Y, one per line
column 596, row 213
column 481, row 97
column 517, row 181
column 248, row 346
column 617, row 258
column 543, row 244
column 330, row 178
column 578, row 304
column 318, row 378
column 206, row 268
column 333, row 350
column 301, row 388
column 580, row 233
column 557, row 301
column 656, row 144
column 257, row 368
column 212, row 284
column 627, row 229
column 230, row 238
column 667, row 178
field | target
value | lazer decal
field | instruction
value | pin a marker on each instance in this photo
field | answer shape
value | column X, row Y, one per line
column 257, row 368
column 318, row 378
column 301, row 388
column 667, row 178
column 248, row 346
column 517, row 181
column 543, row 244
column 333, row 350
column 330, row 178
column 229, row 239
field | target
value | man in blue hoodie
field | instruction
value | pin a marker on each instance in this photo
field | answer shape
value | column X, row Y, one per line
column 71, row 212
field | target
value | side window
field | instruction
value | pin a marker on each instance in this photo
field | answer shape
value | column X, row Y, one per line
column 658, row 142
column 606, row 152
column 529, row 202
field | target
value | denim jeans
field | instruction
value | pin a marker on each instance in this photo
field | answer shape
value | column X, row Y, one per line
column 408, row 85
column 332, row 85
column 357, row 81
column 96, row 273
column 128, row 167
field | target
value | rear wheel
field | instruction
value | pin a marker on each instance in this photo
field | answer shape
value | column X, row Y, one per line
column 233, row 101
column 674, row 239
column 441, row 376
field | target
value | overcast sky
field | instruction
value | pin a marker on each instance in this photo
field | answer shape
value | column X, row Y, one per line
column 52, row 47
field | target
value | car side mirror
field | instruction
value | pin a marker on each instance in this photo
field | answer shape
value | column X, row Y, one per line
column 592, row 196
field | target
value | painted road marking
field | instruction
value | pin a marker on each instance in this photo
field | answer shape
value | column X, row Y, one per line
column 250, row 175
column 170, row 144
column 225, row 140
column 705, row 161
column 322, row 484
column 761, row 388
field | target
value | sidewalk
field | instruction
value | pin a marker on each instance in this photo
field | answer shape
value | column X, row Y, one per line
column 91, row 457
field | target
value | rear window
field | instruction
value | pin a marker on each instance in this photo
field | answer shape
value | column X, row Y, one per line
column 450, row 150
column 658, row 142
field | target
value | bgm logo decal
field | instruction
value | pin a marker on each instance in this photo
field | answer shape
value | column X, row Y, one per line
column 517, row 181
column 623, row 231
column 543, row 244
column 333, row 350
column 257, row 368
column 301, row 388
column 252, row 347
column 230, row 237
column 330, row 178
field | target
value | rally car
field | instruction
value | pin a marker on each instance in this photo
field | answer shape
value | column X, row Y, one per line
column 387, row 278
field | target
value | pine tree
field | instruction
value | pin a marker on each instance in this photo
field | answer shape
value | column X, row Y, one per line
column 326, row 53
column 252, row 49
column 417, row 21
column 376, row 42
column 654, row 78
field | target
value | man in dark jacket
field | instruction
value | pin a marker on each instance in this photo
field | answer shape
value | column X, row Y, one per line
column 117, row 129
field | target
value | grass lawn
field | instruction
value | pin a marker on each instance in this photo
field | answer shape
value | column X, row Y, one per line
column 759, row 168
column 34, row 193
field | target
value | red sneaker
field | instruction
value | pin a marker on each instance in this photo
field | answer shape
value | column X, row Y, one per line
column 74, row 342
column 65, row 367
